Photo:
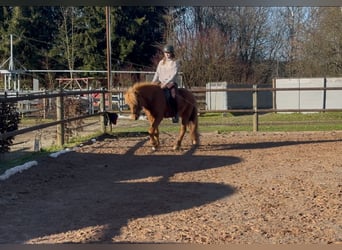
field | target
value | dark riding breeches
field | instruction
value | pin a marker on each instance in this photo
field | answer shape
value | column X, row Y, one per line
column 170, row 100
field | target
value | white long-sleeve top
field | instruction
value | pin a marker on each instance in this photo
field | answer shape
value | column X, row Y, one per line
column 166, row 71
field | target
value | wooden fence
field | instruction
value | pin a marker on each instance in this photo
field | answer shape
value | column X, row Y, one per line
column 257, row 111
column 61, row 120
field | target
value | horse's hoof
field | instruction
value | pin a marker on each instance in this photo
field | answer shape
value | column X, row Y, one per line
column 154, row 148
column 196, row 142
column 176, row 147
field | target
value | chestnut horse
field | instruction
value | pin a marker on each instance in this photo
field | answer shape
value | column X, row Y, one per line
column 150, row 97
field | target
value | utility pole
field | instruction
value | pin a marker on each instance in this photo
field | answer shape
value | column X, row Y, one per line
column 109, row 57
column 11, row 64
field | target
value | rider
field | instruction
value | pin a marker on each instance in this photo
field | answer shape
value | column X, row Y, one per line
column 166, row 74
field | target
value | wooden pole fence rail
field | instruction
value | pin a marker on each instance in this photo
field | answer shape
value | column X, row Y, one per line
column 61, row 121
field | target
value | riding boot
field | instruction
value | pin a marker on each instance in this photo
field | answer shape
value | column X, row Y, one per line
column 175, row 119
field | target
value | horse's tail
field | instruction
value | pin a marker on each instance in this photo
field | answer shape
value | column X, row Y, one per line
column 194, row 115
column 193, row 125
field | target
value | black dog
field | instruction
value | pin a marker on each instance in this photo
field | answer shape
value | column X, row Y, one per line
column 111, row 117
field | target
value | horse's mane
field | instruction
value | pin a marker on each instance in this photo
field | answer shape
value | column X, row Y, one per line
column 131, row 95
column 140, row 85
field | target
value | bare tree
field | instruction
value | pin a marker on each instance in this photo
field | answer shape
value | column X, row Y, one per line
column 227, row 44
column 322, row 51
column 67, row 30
column 253, row 45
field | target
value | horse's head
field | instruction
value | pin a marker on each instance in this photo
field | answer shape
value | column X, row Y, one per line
column 131, row 98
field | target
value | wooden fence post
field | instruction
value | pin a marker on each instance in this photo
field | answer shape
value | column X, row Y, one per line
column 60, row 117
column 255, row 108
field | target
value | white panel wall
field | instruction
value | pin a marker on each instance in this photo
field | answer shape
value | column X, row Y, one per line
column 35, row 84
column 216, row 100
column 311, row 99
column 334, row 97
column 287, row 99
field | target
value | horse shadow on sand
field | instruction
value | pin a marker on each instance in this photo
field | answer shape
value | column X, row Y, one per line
column 80, row 191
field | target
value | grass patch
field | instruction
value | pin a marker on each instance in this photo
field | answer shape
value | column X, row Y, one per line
column 76, row 140
column 8, row 161
column 19, row 160
column 271, row 122
column 325, row 121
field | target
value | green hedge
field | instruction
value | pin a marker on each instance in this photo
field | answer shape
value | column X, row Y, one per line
column 9, row 120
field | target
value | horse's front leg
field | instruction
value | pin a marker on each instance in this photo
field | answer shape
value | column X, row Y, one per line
column 153, row 131
column 154, row 136
column 180, row 136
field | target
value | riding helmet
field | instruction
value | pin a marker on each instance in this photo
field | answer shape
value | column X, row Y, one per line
column 168, row 49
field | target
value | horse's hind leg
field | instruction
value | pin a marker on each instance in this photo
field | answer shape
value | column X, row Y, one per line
column 180, row 136
column 156, row 137
column 194, row 136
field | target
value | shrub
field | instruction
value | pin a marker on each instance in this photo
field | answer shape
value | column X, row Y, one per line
column 9, row 120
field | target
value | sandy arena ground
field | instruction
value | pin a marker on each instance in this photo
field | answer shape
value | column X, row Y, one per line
column 233, row 188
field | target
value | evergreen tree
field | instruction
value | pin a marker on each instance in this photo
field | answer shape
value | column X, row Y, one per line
column 33, row 30
column 5, row 15
column 48, row 37
column 136, row 32
column 90, row 37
